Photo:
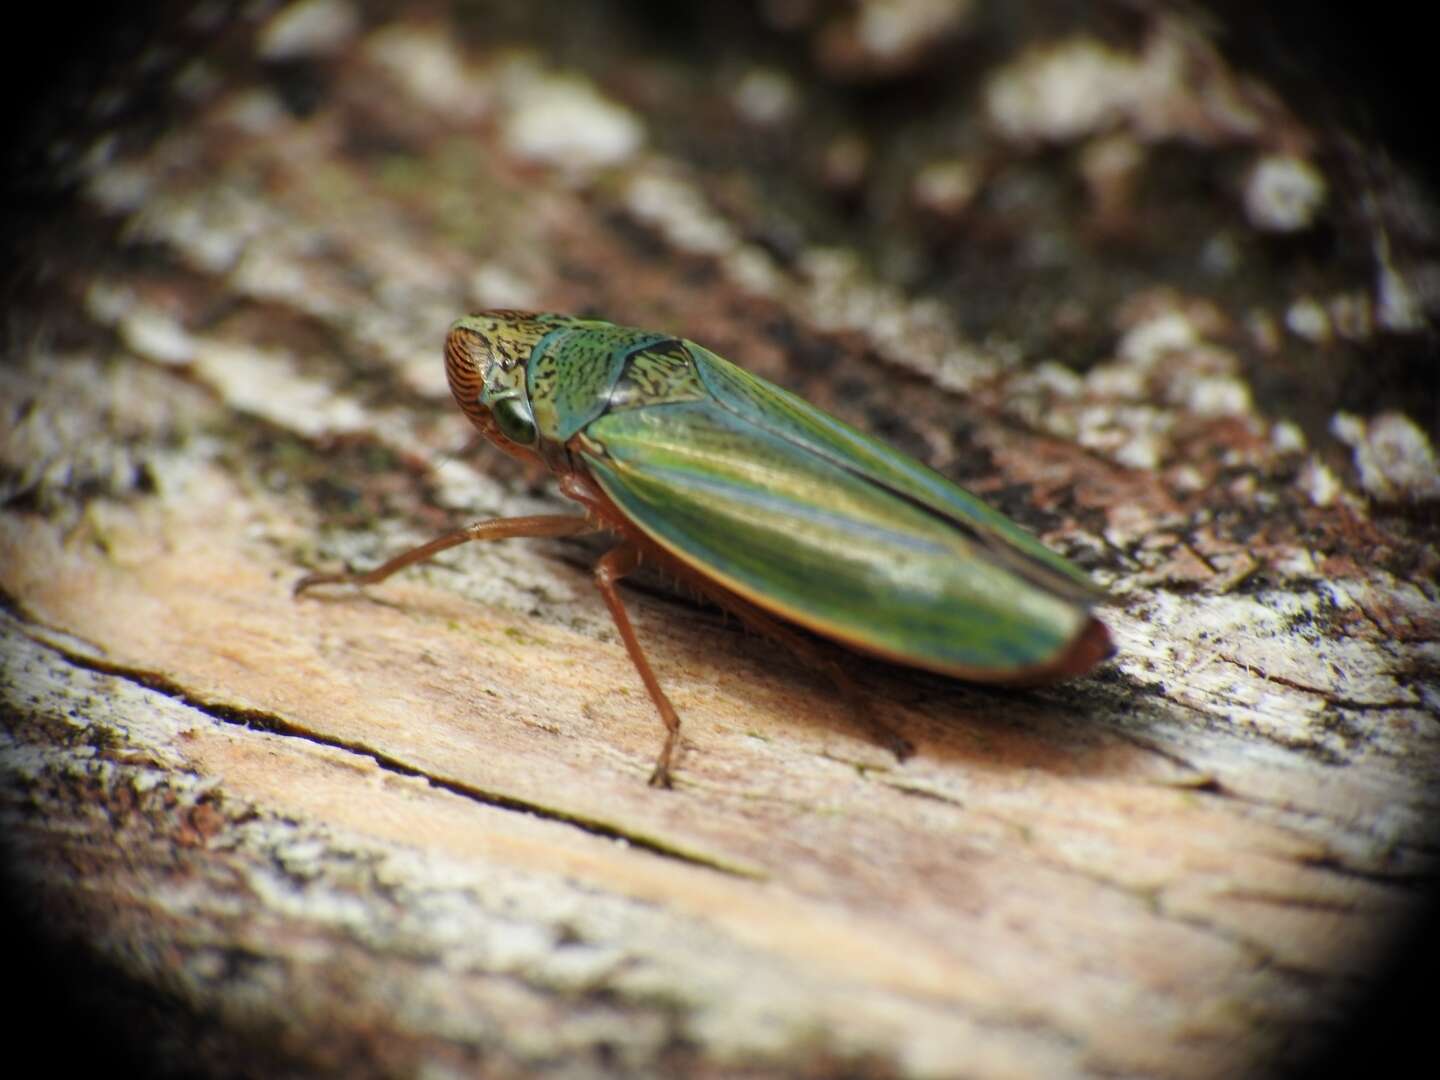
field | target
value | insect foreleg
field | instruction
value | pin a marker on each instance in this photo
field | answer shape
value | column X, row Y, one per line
column 536, row 525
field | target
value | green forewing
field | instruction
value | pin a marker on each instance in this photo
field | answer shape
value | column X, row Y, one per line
column 816, row 522
column 795, row 420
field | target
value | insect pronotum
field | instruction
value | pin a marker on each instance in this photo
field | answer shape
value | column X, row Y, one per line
column 761, row 502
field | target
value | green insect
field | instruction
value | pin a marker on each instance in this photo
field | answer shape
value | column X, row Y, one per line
column 761, row 502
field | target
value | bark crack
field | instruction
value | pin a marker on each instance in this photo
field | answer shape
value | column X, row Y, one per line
column 1318, row 691
column 274, row 724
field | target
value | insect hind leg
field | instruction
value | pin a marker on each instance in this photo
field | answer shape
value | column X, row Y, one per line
column 614, row 565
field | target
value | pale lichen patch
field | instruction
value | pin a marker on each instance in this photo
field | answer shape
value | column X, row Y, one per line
column 255, row 112
column 1398, row 305
column 765, row 97
column 1165, row 356
column 1283, row 193
column 1062, row 92
column 1070, row 90
column 495, row 285
column 1392, row 455
column 945, row 187
column 427, row 65
column 265, row 382
column 876, row 38
column 1307, row 318
column 307, row 28
column 562, row 121
column 156, row 336
column 679, row 212
column 911, row 333
column 210, row 229
column 1239, row 662
column 1287, row 438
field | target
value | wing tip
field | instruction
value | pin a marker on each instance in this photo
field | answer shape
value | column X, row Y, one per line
column 1089, row 649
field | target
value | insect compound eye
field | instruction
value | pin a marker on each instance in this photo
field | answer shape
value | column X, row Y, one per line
column 512, row 417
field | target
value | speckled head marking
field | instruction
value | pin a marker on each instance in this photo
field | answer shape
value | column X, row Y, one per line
column 485, row 358
column 531, row 382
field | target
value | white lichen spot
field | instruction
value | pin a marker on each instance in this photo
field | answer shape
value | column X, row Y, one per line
column 1319, row 483
column 753, row 271
column 1062, row 92
column 1167, row 331
column 1348, row 428
column 1116, row 381
column 1128, row 523
column 1185, row 477
column 1059, row 380
column 1392, row 455
column 1293, row 562
column 1282, row 193
column 765, row 97
column 680, row 213
column 1398, row 306
column 1077, row 88
column 156, row 336
column 1143, row 450
column 945, row 187
column 563, row 122
column 119, row 188
column 1136, row 436
column 209, row 228
column 1287, row 438
column 1211, row 395
column 1308, row 319
column 918, row 335
column 494, row 285
column 307, row 28
column 276, row 274
column 255, row 112
column 459, row 486
column 892, row 28
column 265, row 383
column 1244, row 487
column 108, row 303
column 427, row 66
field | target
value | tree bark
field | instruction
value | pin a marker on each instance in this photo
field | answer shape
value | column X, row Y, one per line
column 408, row 828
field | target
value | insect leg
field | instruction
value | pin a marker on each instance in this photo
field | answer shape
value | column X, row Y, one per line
column 613, row 566
column 536, row 525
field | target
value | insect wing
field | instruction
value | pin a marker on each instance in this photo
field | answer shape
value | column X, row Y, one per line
column 795, row 420
column 818, row 541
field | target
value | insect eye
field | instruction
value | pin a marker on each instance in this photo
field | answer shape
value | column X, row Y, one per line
column 512, row 417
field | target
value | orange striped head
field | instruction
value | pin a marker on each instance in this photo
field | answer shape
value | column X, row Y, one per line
column 485, row 357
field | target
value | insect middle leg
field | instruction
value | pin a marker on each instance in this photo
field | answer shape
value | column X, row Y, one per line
column 613, row 566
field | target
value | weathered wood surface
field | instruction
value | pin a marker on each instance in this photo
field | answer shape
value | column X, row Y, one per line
column 409, row 829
